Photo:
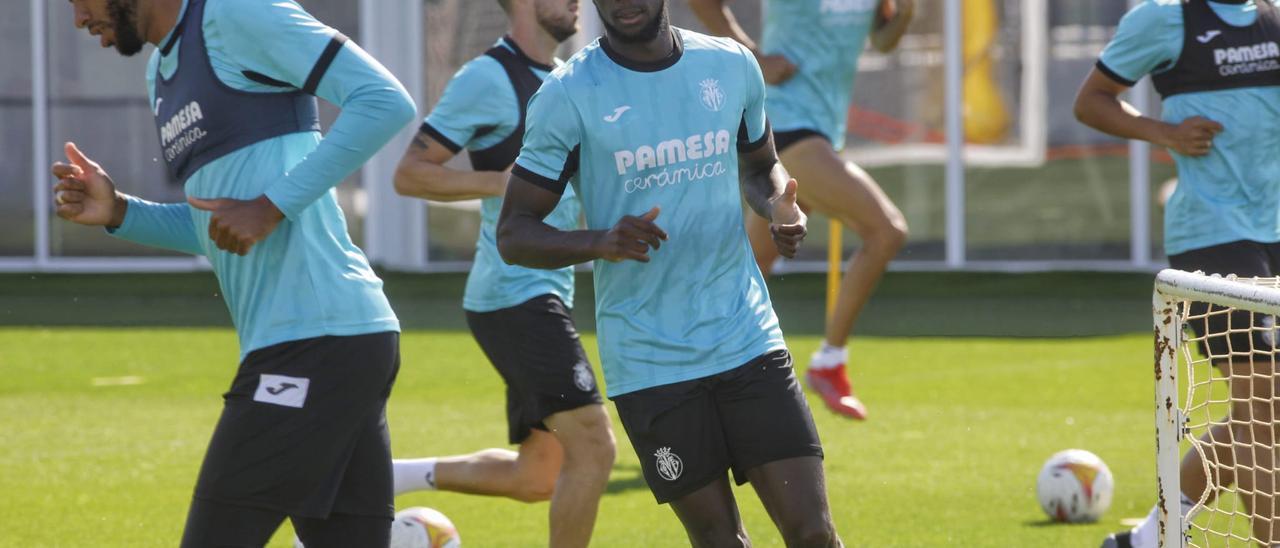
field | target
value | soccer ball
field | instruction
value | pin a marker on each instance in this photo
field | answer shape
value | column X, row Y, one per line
column 1074, row 486
column 419, row 527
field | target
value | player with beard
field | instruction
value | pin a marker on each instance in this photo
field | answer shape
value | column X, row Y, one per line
column 232, row 83
column 643, row 122
column 810, row 58
column 519, row 316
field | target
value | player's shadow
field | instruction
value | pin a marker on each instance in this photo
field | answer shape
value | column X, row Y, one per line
column 625, row 478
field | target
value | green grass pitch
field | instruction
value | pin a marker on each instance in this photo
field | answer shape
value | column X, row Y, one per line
column 103, row 427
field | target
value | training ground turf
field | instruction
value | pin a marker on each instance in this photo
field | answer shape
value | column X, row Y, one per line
column 105, row 409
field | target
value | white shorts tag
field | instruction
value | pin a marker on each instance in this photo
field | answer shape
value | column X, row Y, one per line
column 282, row 390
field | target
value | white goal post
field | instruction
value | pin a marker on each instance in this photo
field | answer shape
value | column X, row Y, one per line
column 1191, row 397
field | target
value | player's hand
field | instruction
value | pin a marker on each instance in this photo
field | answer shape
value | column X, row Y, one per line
column 238, row 224
column 888, row 8
column 790, row 224
column 84, row 193
column 776, row 68
column 893, row 8
column 1193, row 137
column 631, row 238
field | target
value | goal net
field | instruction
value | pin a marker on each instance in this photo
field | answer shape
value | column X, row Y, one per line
column 1215, row 397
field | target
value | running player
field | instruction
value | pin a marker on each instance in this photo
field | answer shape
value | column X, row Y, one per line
column 809, row 58
column 661, row 127
column 519, row 316
column 303, row 432
column 1214, row 65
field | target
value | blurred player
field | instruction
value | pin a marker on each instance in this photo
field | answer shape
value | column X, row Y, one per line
column 519, row 316
column 809, row 57
column 232, row 83
column 1221, row 91
column 662, row 133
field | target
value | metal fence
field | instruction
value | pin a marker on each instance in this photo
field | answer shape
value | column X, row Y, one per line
column 967, row 126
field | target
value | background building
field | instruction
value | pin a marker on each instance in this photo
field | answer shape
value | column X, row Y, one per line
column 1033, row 190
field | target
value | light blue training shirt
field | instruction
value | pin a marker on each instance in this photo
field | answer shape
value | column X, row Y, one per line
column 478, row 110
column 1233, row 193
column 824, row 39
column 307, row 278
column 630, row 136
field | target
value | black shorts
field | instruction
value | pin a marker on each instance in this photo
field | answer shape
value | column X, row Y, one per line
column 304, row 431
column 1243, row 258
column 688, row 433
column 535, row 348
column 784, row 139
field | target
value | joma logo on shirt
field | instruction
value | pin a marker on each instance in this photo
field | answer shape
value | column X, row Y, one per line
column 180, row 121
column 674, row 151
column 846, row 6
column 1247, row 59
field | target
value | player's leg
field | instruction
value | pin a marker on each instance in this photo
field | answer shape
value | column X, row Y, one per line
column 1250, row 365
column 361, row 510
column 560, row 395
column 1221, row 460
column 1253, row 436
column 589, row 450
column 1243, row 259
column 343, row 531
column 299, row 417
column 794, row 492
column 526, row 475
column 212, row 524
column 710, row 516
column 774, row 444
column 1192, row 482
column 677, row 433
column 843, row 191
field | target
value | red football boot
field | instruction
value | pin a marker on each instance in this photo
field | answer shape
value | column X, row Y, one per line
column 832, row 384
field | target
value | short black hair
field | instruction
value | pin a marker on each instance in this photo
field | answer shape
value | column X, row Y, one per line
column 506, row 5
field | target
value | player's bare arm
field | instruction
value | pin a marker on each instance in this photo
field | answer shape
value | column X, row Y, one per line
column 524, row 239
column 421, row 174
column 719, row 20
column 771, row 193
column 1098, row 105
column 891, row 23
column 85, row 194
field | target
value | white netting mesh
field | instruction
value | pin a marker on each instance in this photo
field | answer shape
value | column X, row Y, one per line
column 1228, row 381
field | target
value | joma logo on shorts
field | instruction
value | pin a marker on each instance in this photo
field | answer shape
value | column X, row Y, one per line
column 276, row 390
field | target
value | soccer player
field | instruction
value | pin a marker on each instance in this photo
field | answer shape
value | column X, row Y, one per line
column 519, row 316
column 809, row 56
column 1214, row 65
column 662, row 133
column 232, row 83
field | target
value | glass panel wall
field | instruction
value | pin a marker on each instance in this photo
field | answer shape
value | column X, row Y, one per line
column 17, row 218
column 1075, row 205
